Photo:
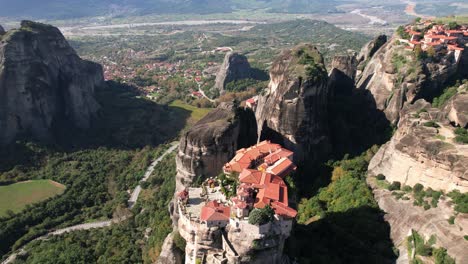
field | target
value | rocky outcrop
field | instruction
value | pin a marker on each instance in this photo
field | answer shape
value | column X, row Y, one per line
column 457, row 109
column 394, row 77
column 292, row 111
column 43, row 83
column 419, row 152
column 347, row 64
column 403, row 217
column 2, row 30
column 369, row 50
column 170, row 253
column 342, row 76
column 212, row 142
column 235, row 67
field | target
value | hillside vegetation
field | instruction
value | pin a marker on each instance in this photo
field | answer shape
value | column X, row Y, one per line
column 98, row 167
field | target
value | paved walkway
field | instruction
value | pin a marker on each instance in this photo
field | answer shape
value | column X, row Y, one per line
column 100, row 224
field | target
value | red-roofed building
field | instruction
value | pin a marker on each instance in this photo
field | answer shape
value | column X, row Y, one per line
column 282, row 167
column 183, row 196
column 250, row 176
column 215, row 214
column 251, row 103
column 277, row 155
column 250, row 157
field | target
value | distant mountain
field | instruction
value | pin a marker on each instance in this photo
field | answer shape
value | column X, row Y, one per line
column 59, row 9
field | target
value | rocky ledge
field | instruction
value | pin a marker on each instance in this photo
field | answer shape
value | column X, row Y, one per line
column 423, row 150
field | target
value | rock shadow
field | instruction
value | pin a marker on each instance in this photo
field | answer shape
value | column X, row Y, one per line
column 358, row 235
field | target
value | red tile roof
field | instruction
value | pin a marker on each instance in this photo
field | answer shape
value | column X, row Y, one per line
column 277, row 155
column 245, row 157
column 250, row 176
column 214, row 211
column 412, row 32
column 282, row 167
column 453, row 47
column 183, row 194
column 454, row 31
column 251, row 101
column 281, row 209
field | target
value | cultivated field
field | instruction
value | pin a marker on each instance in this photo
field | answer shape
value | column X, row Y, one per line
column 16, row 196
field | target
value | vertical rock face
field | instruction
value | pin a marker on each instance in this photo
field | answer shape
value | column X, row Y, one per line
column 394, row 76
column 43, row 82
column 293, row 109
column 235, row 67
column 370, row 49
column 2, row 30
column 343, row 74
column 211, row 142
column 169, row 252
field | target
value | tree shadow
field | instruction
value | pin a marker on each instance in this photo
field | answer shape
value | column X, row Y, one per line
column 358, row 235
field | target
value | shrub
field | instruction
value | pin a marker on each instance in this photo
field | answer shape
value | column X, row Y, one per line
column 431, row 124
column 460, row 200
column 380, row 177
column 398, row 195
column 451, row 220
column 461, row 135
column 426, row 206
column 418, row 188
column 394, row 186
column 261, row 216
column 179, row 241
column 441, row 256
column 407, row 188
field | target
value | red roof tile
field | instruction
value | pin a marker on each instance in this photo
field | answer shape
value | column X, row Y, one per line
column 281, row 167
column 250, row 176
column 214, row 211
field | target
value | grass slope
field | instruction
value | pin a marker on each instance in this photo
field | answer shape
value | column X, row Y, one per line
column 16, row 196
column 195, row 113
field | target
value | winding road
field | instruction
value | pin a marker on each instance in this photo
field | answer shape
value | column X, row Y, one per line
column 100, row 224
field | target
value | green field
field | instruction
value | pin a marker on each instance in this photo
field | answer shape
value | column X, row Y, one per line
column 16, row 196
column 195, row 113
column 462, row 19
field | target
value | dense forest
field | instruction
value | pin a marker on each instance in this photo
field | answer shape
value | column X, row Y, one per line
column 97, row 167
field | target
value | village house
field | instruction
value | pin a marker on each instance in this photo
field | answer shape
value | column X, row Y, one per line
column 438, row 38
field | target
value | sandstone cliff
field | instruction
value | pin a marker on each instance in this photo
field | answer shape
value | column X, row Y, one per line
column 342, row 75
column 43, row 82
column 212, row 142
column 422, row 153
column 235, row 67
column 292, row 111
column 456, row 110
column 403, row 217
column 369, row 50
column 394, row 77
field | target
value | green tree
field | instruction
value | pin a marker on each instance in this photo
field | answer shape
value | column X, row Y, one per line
column 453, row 25
column 261, row 216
